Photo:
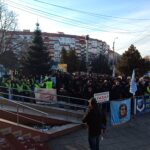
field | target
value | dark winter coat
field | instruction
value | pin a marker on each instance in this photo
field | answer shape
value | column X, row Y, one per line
column 93, row 120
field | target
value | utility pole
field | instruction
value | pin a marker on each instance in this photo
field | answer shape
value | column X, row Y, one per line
column 87, row 53
column 113, row 73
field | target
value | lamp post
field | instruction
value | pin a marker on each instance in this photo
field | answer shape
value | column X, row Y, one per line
column 87, row 53
column 113, row 73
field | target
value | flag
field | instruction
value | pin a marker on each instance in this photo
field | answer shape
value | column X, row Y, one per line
column 133, row 85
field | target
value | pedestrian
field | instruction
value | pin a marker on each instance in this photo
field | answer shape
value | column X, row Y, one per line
column 93, row 121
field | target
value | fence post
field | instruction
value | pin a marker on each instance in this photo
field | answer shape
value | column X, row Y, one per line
column 9, row 93
column 43, row 124
column 17, row 114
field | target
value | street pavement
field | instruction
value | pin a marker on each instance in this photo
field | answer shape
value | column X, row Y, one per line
column 134, row 135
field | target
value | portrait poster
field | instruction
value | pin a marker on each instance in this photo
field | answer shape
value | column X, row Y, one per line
column 120, row 111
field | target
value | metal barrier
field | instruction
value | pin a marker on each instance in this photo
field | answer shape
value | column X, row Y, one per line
column 18, row 105
column 62, row 101
column 69, row 103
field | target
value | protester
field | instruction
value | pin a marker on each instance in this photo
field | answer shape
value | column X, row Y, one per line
column 93, row 121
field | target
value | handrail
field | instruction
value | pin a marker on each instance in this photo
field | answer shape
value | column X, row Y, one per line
column 48, row 94
column 25, row 106
column 74, row 105
column 19, row 95
column 23, row 116
column 58, row 102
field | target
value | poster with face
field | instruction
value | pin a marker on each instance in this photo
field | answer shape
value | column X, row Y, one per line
column 122, row 111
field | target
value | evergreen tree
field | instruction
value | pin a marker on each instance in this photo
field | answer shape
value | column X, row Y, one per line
column 100, row 65
column 72, row 64
column 82, row 64
column 145, row 66
column 130, row 60
column 36, row 61
column 64, row 57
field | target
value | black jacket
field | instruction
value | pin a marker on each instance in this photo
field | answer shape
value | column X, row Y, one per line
column 93, row 120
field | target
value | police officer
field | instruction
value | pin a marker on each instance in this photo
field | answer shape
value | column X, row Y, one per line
column 49, row 84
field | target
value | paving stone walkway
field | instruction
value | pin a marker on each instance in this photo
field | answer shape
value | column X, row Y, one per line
column 134, row 135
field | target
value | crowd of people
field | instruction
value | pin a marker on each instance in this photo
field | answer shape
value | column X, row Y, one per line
column 76, row 85
column 23, row 86
column 84, row 86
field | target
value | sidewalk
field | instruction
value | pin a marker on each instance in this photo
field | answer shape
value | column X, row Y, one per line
column 134, row 135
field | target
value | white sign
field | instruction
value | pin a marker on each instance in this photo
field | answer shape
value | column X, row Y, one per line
column 102, row 97
column 47, row 95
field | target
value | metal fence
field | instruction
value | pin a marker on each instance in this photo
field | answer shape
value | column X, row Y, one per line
column 66, row 102
column 15, row 108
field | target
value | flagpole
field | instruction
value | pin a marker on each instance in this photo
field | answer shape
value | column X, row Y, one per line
column 134, row 99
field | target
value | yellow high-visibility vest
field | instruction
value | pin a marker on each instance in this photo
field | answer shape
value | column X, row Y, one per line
column 148, row 90
column 49, row 85
column 37, row 85
column 19, row 88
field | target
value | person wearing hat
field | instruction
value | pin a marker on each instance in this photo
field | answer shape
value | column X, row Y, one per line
column 93, row 121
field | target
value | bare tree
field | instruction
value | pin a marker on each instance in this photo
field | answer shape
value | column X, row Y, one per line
column 8, row 24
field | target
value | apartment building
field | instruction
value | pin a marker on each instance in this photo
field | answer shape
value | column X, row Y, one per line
column 55, row 42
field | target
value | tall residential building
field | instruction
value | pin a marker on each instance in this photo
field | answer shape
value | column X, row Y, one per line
column 55, row 42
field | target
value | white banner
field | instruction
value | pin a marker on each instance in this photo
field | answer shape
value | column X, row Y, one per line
column 47, row 95
column 102, row 97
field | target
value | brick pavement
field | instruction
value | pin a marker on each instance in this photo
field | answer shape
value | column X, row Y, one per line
column 134, row 135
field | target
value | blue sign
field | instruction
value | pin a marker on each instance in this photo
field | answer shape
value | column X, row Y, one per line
column 120, row 111
column 142, row 104
column 147, row 103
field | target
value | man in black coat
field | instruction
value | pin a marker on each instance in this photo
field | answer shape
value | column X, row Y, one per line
column 93, row 121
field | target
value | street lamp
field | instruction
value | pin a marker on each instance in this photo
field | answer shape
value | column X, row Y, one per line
column 87, row 53
column 113, row 73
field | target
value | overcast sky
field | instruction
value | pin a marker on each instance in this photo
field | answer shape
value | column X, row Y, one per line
column 129, row 20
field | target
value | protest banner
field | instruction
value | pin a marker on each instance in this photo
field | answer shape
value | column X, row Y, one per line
column 120, row 111
column 147, row 103
column 46, row 95
column 142, row 104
